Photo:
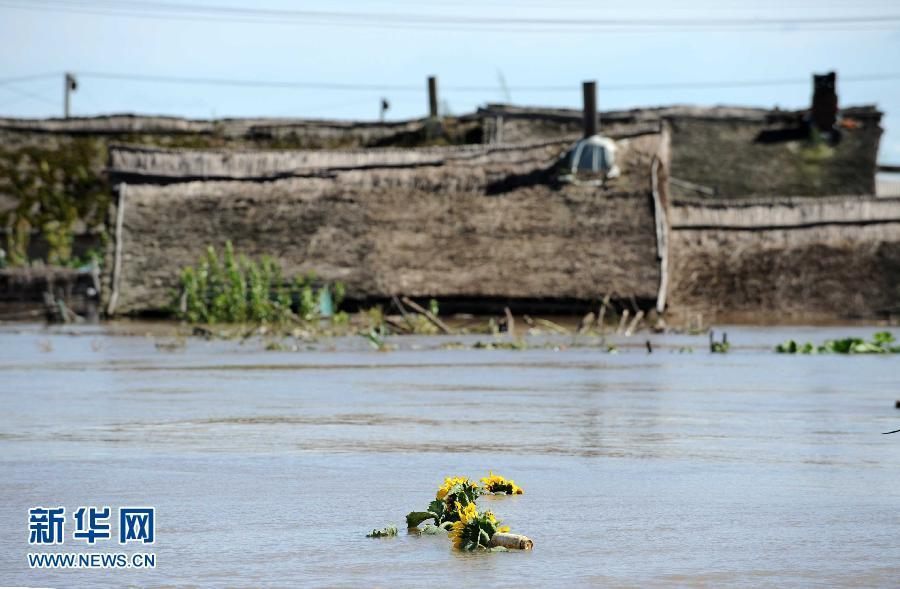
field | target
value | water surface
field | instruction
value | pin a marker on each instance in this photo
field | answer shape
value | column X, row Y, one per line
column 268, row 468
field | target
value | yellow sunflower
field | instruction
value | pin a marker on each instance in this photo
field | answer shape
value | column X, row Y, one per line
column 469, row 528
column 494, row 483
column 449, row 482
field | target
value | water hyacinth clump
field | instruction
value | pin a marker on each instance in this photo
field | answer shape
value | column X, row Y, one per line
column 474, row 529
column 881, row 343
column 494, row 483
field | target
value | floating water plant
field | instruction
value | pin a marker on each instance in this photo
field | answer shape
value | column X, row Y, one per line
column 718, row 347
column 881, row 343
column 494, row 483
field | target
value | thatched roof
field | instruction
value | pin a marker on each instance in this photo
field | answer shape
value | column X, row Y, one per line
column 445, row 222
column 657, row 113
column 481, row 167
column 783, row 212
column 115, row 124
column 138, row 161
column 785, row 259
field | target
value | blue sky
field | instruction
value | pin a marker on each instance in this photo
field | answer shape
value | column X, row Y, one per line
column 51, row 38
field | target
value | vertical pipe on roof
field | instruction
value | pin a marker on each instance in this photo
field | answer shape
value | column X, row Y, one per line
column 590, row 108
column 432, row 97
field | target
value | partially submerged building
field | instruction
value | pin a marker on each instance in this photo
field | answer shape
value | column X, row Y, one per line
column 463, row 224
column 712, row 213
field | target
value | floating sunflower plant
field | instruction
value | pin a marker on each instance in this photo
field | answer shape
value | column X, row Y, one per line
column 474, row 530
column 454, row 492
column 494, row 483
column 457, row 491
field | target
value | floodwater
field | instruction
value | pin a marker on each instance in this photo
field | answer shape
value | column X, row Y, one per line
column 268, row 468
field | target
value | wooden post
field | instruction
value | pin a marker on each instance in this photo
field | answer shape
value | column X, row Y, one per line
column 432, row 97
column 602, row 313
column 590, row 108
column 510, row 323
column 69, row 86
column 117, row 256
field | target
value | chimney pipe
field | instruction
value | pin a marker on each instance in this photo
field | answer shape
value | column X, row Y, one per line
column 824, row 101
column 590, row 108
column 432, row 97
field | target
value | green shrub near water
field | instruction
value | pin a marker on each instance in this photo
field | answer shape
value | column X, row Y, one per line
column 235, row 289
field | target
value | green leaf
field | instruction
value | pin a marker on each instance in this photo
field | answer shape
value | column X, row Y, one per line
column 483, row 538
column 414, row 518
column 437, row 508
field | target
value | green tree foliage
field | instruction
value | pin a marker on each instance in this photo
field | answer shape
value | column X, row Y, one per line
column 54, row 189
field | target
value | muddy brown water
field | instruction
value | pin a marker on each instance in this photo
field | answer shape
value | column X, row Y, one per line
column 267, row 468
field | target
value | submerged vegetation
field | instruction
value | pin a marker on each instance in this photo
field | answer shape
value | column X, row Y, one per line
column 881, row 343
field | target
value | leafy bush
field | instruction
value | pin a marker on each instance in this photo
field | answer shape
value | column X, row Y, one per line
column 235, row 289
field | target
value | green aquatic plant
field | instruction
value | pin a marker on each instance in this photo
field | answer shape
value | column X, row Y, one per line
column 376, row 338
column 718, row 347
column 881, row 343
column 518, row 344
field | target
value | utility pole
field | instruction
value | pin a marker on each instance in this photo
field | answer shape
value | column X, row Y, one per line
column 70, row 86
column 590, row 108
column 432, row 97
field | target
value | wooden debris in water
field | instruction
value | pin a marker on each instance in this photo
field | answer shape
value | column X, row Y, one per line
column 427, row 314
column 514, row 541
column 623, row 321
column 510, row 322
column 586, row 322
column 634, row 323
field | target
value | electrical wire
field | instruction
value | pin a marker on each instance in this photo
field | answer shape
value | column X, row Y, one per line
column 473, row 88
column 179, row 11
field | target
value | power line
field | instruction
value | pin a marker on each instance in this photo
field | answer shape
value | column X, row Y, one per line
column 350, row 87
column 30, row 95
column 253, row 83
column 403, row 19
column 449, row 18
column 5, row 81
